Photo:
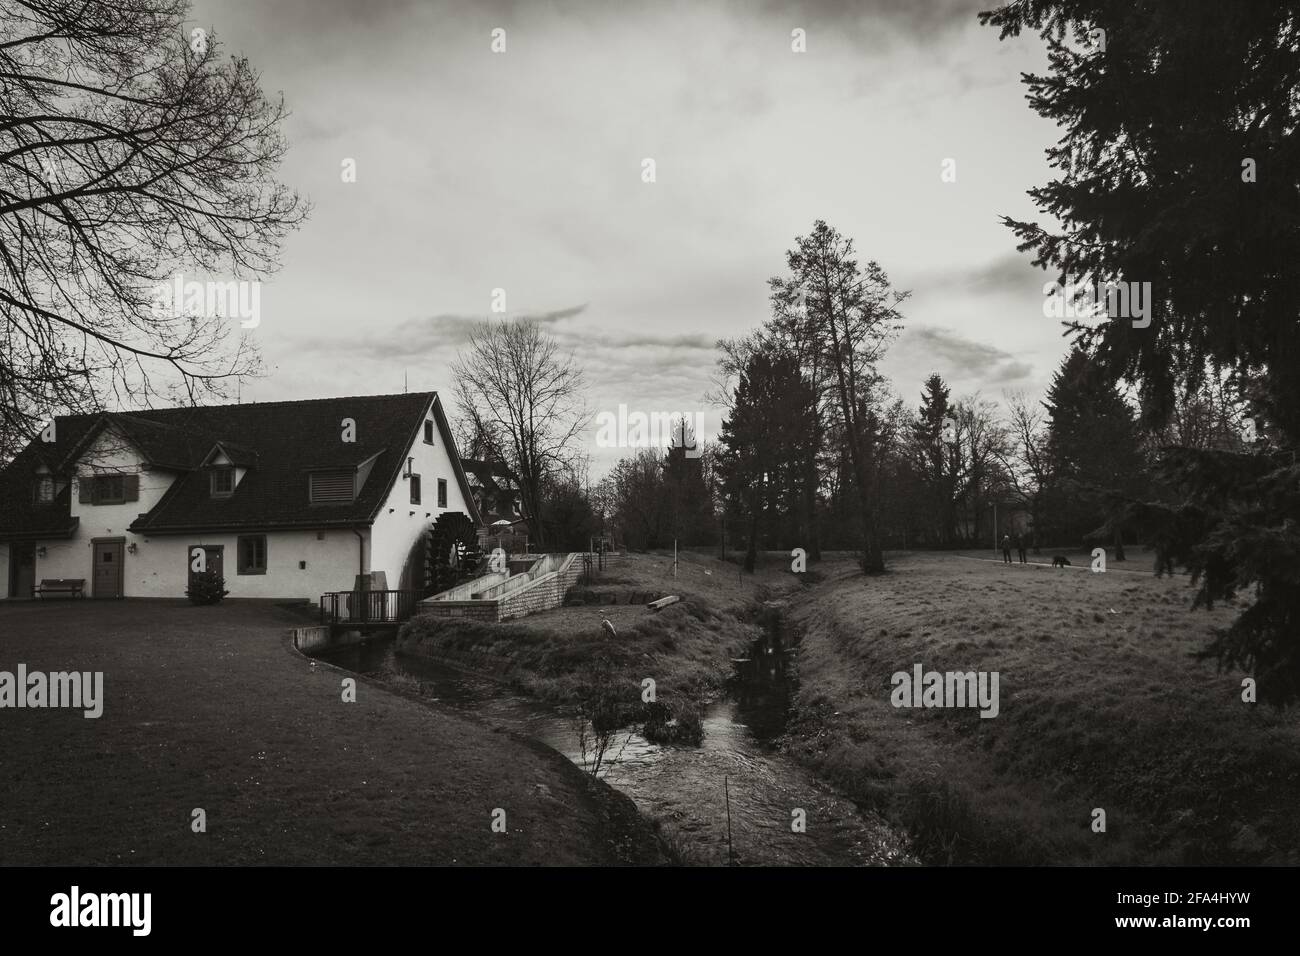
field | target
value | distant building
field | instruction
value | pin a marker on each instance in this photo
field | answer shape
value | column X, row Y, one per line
column 496, row 493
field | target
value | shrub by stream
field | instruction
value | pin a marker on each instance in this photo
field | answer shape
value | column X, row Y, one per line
column 681, row 725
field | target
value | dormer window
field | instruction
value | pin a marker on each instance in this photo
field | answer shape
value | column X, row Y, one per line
column 428, row 432
column 222, row 482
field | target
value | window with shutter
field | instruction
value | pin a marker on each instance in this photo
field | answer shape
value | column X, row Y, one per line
column 111, row 489
column 331, row 487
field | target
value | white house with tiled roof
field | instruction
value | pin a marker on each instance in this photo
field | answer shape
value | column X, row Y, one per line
column 287, row 500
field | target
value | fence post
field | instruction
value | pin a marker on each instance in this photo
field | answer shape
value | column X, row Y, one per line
column 726, row 787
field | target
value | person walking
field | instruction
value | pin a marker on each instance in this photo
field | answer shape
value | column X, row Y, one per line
column 1006, row 549
column 1020, row 547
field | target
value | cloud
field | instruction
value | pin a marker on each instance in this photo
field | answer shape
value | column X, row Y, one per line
column 617, row 339
column 1010, row 274
column 959, row 358
column 621, row 364
column 430, row 336
column 868, row 23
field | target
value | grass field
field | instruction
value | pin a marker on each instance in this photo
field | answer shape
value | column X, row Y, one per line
column 206, row 707
column 1102, row 706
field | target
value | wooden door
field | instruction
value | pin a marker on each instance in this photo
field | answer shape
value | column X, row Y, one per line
column 107, row 577
column 22, row 569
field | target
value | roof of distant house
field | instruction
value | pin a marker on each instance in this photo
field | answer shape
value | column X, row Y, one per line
column 279, row 443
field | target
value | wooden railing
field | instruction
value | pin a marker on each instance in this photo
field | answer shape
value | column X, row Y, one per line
column 367, row 607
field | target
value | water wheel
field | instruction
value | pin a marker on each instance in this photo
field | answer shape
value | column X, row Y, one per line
column 452, row 553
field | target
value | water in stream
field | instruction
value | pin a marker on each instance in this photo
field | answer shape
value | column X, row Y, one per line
column 679, row 785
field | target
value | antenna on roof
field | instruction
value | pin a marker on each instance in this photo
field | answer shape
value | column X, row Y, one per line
column 405, row 389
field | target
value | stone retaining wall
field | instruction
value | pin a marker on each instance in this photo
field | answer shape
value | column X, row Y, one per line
column 547, row 591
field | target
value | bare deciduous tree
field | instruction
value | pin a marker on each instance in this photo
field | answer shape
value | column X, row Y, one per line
column 1025, row 457
column 129, row 149
column 514, row 381
column 981, row 444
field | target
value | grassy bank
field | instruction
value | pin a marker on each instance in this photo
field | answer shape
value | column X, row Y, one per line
column 1101, row 706
column 208, row 708
column 559, row 655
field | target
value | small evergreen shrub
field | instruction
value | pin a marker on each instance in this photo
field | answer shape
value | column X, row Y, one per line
column 206, row 587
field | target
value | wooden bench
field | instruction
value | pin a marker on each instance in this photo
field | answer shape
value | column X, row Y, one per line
column 74, row 587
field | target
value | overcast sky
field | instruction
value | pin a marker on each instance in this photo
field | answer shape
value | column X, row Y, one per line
column 522, row 171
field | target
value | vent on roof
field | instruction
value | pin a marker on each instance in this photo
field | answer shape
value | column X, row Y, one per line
column 328, row 487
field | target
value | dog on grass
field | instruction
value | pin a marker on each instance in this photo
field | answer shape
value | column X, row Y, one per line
column 1060, row 561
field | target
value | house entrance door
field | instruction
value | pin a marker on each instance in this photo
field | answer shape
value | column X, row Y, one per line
column 107, row 577
column 22, row 568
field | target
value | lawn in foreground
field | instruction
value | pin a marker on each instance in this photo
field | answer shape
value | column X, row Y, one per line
column 209, row 708
column 1102, row 706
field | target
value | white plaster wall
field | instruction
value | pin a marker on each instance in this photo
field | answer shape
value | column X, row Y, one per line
column 160, row 566
column 395, row 531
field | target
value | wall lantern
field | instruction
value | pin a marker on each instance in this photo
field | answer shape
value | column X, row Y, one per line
column 132, row 548
column 410, row 462
column 41, row 552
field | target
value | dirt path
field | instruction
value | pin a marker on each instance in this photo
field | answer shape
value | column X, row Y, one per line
column 209, row 708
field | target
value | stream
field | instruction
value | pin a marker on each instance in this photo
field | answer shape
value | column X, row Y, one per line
column 681, row 786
